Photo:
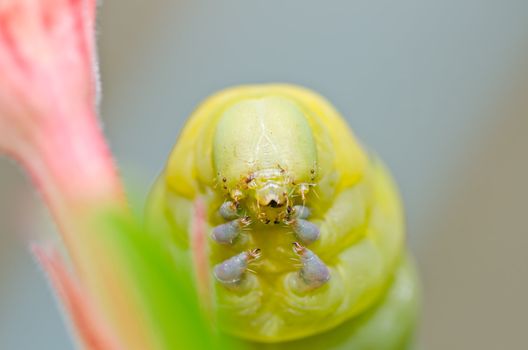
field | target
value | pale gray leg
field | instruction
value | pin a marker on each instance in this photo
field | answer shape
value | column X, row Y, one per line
column 307, row 231
column 301, row 212
column 314, row 273
column 228, row 210
column 231, row 271
column 228, row 232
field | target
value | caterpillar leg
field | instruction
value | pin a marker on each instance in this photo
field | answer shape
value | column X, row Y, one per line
column 228, row 210
column 301, row 212
column 306, row 231
column 228, row 232
column 314, row 273
column 231, row 271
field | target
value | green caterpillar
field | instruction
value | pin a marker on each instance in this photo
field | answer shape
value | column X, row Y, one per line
column 305, row 230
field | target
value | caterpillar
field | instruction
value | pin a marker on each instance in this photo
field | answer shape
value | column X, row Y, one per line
column 304, row 227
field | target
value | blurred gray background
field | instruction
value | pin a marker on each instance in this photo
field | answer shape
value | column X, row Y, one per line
column 438, row 88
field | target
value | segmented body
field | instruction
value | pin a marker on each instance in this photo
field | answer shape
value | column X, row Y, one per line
column 276, row 165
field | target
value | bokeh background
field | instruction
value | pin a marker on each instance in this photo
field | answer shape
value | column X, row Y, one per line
column 438, row 88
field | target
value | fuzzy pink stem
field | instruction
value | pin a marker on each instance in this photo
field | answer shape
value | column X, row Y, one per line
column 77, row 178
column 48, row 123
column 92, row 329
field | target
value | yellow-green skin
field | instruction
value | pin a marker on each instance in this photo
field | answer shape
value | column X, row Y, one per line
column 299, row 138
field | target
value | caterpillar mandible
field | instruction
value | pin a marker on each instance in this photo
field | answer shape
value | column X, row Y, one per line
column 305, row 230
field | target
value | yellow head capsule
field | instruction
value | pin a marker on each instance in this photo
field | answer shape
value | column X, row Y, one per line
column 262, row 147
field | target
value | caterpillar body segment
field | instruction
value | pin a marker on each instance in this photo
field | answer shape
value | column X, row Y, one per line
column 281, row 158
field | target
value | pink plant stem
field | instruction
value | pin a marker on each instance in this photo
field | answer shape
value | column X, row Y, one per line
column 77, row 177
column 93, row 332
column 70, row 164
column 49, row 124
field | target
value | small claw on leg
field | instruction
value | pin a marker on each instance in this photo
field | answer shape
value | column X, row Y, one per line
column 307, row 231
column 228, row 232
column 314, row 273
column 303, row 191
column 230, row 271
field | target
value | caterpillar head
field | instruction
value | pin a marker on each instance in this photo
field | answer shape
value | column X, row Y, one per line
column 265, row 156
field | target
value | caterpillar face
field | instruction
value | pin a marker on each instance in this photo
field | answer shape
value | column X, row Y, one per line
column 265, row 156
column 305, row 230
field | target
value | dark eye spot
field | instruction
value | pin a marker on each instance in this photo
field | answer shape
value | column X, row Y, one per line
column 224, row 179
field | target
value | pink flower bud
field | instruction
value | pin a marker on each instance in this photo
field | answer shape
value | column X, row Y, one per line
column 47, row 96
column 48, row 123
